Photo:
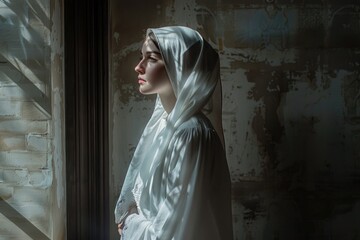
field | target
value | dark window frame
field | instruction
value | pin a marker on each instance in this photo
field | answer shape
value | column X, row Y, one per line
column 86, row 118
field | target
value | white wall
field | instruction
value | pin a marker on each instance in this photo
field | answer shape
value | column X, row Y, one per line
column 32, row 117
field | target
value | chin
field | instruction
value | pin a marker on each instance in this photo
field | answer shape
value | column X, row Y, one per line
column 144, row 92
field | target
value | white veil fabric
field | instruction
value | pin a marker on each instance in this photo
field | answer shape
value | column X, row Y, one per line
column 178, row 179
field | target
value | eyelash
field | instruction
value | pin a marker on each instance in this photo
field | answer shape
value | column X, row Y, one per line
column 149, row 57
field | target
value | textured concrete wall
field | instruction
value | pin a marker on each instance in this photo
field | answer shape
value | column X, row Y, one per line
column 31, row 118
column 290, row 73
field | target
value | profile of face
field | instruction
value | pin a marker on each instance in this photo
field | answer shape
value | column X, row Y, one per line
column 152, row 76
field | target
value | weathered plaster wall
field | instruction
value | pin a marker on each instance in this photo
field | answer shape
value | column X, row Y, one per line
column 32, row 118
column 290, row 74
column 57, row 198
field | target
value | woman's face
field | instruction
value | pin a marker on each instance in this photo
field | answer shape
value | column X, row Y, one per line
column 152, row 76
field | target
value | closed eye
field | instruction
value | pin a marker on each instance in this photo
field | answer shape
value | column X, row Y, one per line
column 152, row 56
column 152, row 59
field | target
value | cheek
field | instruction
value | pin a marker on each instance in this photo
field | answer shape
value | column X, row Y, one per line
column 160, row 76
column 165, row 81
column 164, row 77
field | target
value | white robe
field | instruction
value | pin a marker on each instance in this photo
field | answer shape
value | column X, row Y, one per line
column 191, row 194
column 178, row 178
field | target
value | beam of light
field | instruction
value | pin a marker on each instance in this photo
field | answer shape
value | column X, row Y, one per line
column 20, row 221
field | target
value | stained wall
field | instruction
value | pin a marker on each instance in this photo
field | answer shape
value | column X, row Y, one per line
column 291, row 111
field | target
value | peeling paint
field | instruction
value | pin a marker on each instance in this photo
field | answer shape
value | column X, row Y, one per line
column 56, row 158
column 58, row 148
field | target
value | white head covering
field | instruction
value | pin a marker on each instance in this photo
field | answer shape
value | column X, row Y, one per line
column 193, row 68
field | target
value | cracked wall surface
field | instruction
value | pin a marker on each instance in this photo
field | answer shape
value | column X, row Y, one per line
column 291, row 111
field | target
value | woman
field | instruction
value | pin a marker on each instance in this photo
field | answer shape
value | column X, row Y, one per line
column 178, row 185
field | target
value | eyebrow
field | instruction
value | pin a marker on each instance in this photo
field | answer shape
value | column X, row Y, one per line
column 150, row 52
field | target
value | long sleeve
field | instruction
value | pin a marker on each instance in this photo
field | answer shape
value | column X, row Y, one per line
column 189, row 195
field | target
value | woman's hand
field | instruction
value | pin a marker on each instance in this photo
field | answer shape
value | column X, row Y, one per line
column 120, row 227
column 132, row 210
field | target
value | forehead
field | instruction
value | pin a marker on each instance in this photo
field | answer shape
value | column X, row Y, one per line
column 149, row 46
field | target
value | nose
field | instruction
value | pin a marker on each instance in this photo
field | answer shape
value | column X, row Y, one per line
column 139, row 67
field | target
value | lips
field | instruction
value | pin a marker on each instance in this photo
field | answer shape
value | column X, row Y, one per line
column 141, row 81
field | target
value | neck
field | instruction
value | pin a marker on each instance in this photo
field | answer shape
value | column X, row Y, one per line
column 168, row 101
